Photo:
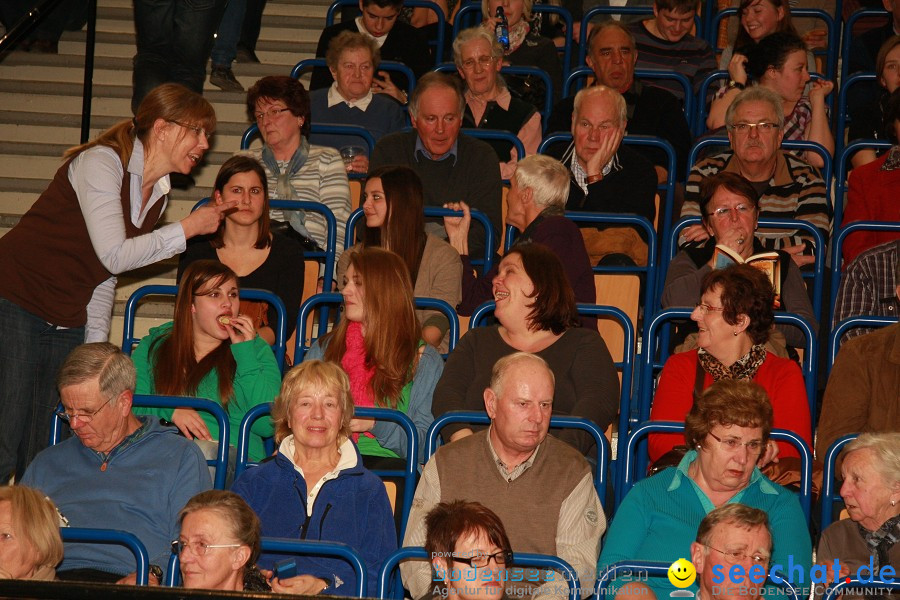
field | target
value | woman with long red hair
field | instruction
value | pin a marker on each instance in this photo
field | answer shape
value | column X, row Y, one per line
column 209, row 351
column 378, row 342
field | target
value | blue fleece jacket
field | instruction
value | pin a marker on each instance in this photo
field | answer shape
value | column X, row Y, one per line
column 353, row 509
column 139, row 487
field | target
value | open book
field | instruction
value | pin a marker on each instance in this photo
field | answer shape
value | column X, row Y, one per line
column 767, row 262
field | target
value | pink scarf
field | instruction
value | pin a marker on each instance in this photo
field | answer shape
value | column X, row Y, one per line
column 354, row 364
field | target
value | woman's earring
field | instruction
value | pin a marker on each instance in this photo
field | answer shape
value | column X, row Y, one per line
column 734, row 333
column 893, row 503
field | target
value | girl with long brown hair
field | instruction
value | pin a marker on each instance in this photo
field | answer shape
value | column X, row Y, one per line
column 378, row 343
column 394, row 220
column 209, row 351
column 58, row 265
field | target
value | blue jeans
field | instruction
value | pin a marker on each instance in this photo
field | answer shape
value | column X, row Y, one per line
column 225, row 47
column 174, row 39
column 31, row 354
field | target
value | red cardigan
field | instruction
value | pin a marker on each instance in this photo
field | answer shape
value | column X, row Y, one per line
column 872, row 196
column 781, row 378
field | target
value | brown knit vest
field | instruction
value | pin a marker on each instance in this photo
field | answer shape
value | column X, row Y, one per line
column 47, row 263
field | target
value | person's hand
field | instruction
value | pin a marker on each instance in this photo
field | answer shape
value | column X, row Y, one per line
column 490, row 23
column 384, row 85
column 695, row 233
column 797, row 255
column 359, row 164
column 206, row 219
column 816, row 38
column 131, row 579
column 301, row 585
column 769, row 455
column 737, row 68
column 609, row 144
column 830, row 574
column 358, row 425
column 819, row 89
column 458, row 227
column 190, row 424
column 240, row 329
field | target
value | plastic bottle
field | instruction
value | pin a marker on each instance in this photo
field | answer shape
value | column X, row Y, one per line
column 502, row 29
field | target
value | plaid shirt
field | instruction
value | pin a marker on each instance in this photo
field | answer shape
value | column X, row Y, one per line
column 868, row 288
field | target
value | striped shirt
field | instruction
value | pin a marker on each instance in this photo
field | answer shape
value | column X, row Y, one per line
column 796, row 191
column 690, row 56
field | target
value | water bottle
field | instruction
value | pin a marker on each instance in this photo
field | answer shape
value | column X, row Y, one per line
column 502, row 29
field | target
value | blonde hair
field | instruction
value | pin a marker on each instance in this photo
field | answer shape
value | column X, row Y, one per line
column 36, row 521
column 526, row 9
column 317, row 374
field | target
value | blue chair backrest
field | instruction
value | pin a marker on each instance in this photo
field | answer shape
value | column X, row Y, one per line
column 112, row 536
column 409, row 474
column 610, row 11
column 520, row 559
column 837, row 248
column 842, row 117
column 837, row 590
column 279, row 327
column 297, row 547
column 848, row 37
column 830, row 490
column 556, row 422
column 486, row 262
column 834, row 338
column 632, row 468
column 385, row 65
column 842, row 171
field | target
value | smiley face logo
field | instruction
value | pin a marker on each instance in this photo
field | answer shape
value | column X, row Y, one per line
column 682, row 573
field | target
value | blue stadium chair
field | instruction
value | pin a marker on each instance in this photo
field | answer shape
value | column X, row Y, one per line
column 577, row 78
column 830, row 489
column 520, row 559
column 623, row 11
column 303, row 547
column 842, row 116
column 116, row 537
column 438, row 42
column 385, row 65
column 633, row 467
column 848, row 38
column 842, row 171
column 409, row 474
column 846, row 587
column 829, row 52
column 497, row 134
column 837, row 248
column 433, row 211
column 816, row 274
column 129, row 340
column 556, row 422
column 650, row 365
column 834, row 339
column 633, row 570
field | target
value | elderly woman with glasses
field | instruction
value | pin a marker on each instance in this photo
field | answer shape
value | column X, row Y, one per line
column 296, row 170
column 729, row 211
column 727, row 430
column 489, row 105
column 734, row 317
column 871, row 492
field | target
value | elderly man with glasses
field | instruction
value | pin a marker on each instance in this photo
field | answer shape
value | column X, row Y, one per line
column 788, row 187
column 118, row 471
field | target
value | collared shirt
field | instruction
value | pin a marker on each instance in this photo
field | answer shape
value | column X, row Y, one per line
column 335, row 97
column 420, row 148
column 681, row 474
column 510, row 475
column 868, row 288
column 347, row 460
column 580, row 175
column 362, row 29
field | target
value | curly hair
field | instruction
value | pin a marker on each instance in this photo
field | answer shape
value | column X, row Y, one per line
column 744, row 290
column 728, row 402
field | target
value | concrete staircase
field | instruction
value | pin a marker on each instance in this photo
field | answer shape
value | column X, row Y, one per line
column 40, row 116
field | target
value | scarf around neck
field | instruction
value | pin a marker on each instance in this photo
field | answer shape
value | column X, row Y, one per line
column 880, row 541
column 517, row 35
column 360, row 375
column 744, row 368
column 283, row 188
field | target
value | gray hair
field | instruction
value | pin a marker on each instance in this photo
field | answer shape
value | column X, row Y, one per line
column 885, row 449
column 756, row 93
column 434, row 80
column 102, row 361
column 596, row 90
column 349, row 40
column 546, row 177
column 470, row 35
column 503, row 365
column 737, row 514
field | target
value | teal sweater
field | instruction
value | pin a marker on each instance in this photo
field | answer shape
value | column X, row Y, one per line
column 659, row 518
column 257, row 380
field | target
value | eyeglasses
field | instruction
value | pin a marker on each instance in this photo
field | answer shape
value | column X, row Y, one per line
column 736, row 557
column 731, row 444
column 484, row 61
column 480, row 561
column 84, row 417
column 197, row 130
column 198, row 548
column 271, row 113
column 706, row 308
column 743, row 128
column 723, row 212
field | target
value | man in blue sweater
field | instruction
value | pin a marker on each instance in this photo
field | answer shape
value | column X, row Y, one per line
column 119, row 471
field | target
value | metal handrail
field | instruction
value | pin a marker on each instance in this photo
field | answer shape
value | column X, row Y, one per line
column 113, row 536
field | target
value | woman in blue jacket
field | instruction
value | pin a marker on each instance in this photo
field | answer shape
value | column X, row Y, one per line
column 316, row 487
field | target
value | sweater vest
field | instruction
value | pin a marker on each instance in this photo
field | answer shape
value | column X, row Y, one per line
column 529, row 505
column 47, row 262
column 495, row 118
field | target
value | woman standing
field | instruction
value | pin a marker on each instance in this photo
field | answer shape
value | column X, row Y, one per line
column 94, row 220
column 394, row 210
